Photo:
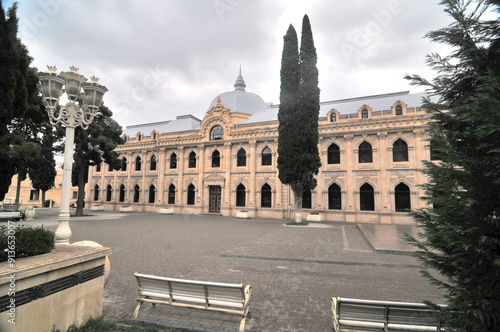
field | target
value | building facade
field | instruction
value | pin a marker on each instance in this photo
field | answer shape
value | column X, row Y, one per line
column 371, row 151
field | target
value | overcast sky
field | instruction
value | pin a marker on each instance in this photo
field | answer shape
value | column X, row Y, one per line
column 163, row 58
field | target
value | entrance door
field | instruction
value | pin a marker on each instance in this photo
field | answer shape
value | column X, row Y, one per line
column 215, row 199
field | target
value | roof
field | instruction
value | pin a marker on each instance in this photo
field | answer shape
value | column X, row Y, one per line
column 181, row 123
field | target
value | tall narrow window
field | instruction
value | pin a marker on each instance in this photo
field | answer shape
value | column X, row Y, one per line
column 402, row 198
column 109, row 192
column 190, row 195
column 241, row 158
column 400, row 151
column 122, row 193
column 306, row 199
column 267, row 156
column 265, row 196
column 365, row 153
column 333, row 117
column 217, row 133
column 96, row 192
column 366, row 198
column 110, row 168
column 98, row 167
column 173, row 161
column 152, row 194
column 138, row 163
column 137, row 192
column 334, row 197
column 240, row 195
column 399, row 110
column 124, row 164
column 333, row 154
column 171, row 194
column 152, row 164
column 192, row 160
column 364, row 114
column 216, row 159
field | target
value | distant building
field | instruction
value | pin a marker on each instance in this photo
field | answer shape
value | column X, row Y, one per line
column 371, row 149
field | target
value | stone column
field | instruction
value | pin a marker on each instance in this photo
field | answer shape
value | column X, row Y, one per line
column 349, row 183
column 226, row 162
column 180, row 168
column 161, row 167
column 252, row 167
column 201, row 170
column 385, row 204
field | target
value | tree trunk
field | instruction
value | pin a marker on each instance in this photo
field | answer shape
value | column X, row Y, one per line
column 43, row 197
column 18, row 192
column 81, row 191
column 298, row 206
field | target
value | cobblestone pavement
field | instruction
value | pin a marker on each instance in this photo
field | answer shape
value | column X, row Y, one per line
column 294, row 271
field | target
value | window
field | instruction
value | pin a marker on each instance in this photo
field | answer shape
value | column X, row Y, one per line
column 399, row 151
column 192, row 160
column 138, row 163
column 96, row 192
column 267, row 156
column 265, row 196
column 154, row 136
column 152, row 164
column 139, row 138
column 124, row 164
column 110, row 168
column 364, row 114
column 152, row 194
column 216, row 159
column 306, row 199
column 241, row 158
column 98, row 167
column 399, row 110
column 334, row 197
column 365, row 153
column 122, row 193
column 171, row 194
column 434, row 151
column 190, row 195
column 333, row 117
column 402, row 198
column 240, row 195
column 366, row 198
column 137, row 192
column 333, row 154
column 216, row 133
column 75, row 194
column 173, row 161
column 109, row 192
column 34, row 195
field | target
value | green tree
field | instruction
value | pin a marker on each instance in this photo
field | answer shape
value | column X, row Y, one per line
column 461, row 225
column 93, row 146
column 298, row 156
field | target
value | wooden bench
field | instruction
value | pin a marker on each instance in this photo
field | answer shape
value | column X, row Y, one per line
column 10, row 215
column 230, row 298
column 365, row 315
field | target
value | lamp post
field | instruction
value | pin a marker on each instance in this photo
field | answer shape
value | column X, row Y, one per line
column 79, row 111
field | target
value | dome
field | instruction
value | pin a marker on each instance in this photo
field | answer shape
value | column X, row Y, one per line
column 239, row 100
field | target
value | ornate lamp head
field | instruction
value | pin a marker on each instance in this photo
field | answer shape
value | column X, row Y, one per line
column 73, row 82
column 93, row 93
column 51, row 86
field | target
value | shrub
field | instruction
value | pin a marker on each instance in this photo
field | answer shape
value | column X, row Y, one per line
column 29, row 241
column 47, row 203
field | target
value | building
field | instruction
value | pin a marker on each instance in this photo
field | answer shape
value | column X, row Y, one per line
column 371, row 149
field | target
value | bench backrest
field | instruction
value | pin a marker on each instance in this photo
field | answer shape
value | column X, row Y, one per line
column 191, row 291
column 384, row 315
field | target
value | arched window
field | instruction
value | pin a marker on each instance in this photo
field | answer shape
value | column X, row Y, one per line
column 109, row 192
column 402, row 198
column 240, row 195
column 241, row 158
column 216, row 159
column 173, row 161
column 124, row 164
column 267, row 156
column 399, row 110
column 192, row 160
column 171, row 194
column 334, row 197
column 155, row 136
column 333, row 154
column 152, row 194
column 96, row 192
column 333, row 117
column 122, row 193
column 137, row 192
column 152, row 164
column 365, row 153
column 98, row 167
column 366, row 198
column 217, row 133
column 400, row 151
column 138, row 163
column 190, row 195
column 265, row 196
column 306, row 199
column 364, row 114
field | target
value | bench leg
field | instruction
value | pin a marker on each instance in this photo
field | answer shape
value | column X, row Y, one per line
column 136, row 311
column 242, row 324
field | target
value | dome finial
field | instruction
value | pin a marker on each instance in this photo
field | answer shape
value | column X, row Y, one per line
column 240, row 82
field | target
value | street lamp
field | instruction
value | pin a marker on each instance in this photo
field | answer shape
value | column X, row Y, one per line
column 79, row 111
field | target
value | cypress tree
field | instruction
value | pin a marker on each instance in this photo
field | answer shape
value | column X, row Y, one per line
column 461, row 238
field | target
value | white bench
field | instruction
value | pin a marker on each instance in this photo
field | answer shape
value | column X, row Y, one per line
column 10, row 215
column 365, row 315
column 230, row 298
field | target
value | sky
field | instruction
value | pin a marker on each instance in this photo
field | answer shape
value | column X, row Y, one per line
column 164, row 58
